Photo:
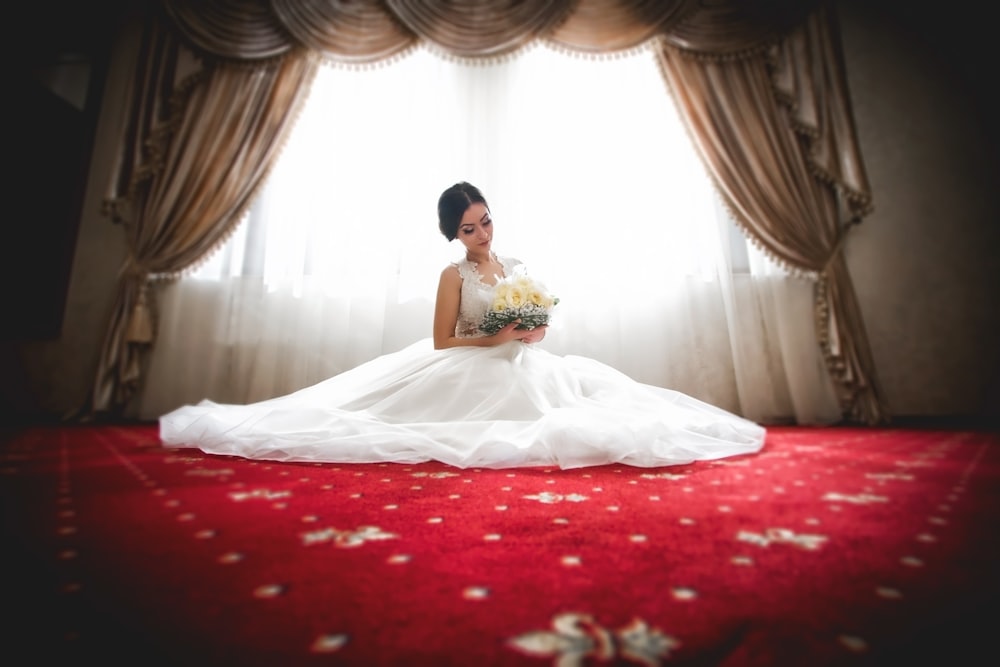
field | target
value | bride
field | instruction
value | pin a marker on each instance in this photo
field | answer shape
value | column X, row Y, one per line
column 469, row 398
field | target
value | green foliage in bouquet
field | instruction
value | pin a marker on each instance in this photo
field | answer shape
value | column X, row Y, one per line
column 518, row 297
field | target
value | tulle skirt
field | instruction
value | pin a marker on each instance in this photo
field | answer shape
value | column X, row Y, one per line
column 513, row 405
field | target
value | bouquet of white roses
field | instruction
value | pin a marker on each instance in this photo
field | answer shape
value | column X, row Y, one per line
column 518, row 296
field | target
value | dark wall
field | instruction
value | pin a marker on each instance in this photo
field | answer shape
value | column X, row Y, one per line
column 56, row 64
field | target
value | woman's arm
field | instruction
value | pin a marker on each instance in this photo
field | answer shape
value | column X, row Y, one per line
column 446, row 306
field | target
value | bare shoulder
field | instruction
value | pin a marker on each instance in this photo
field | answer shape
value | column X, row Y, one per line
column 450, row 274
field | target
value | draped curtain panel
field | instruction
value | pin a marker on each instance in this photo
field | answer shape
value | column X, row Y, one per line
column 759, row 83
column 195, row 154
column 776, row 132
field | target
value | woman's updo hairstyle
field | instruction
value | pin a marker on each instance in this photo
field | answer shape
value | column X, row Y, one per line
column 452, row 205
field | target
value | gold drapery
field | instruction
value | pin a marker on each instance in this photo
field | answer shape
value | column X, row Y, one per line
column 759, row 83
column 195, row 153
column 775, row 129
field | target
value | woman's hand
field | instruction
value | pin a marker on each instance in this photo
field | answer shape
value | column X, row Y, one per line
column 511, row 332
column 536, row 334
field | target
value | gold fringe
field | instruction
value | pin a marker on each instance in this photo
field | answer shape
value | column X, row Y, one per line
column 483, row 60
column 790, row 269
column 726, row 56
column 589, row 54
column 240, row 215
column 338, row 61
column 860, row 203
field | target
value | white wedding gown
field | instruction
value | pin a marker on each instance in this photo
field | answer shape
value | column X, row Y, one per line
column 506, row 406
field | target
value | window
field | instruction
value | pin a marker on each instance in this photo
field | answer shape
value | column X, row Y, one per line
column 592, row 182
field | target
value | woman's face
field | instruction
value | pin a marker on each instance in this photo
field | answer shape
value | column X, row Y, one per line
column 475, row 231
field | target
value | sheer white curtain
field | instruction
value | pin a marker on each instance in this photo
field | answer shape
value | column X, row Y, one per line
column 592, row 182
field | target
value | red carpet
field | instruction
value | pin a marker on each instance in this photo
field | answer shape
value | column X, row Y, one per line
column 837, row 546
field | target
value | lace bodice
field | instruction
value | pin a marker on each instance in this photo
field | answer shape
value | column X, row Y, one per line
column 477, row 296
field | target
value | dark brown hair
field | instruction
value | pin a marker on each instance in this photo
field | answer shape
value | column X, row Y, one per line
column 452, row 205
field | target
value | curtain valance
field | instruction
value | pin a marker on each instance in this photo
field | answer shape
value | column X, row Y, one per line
column 368, row 31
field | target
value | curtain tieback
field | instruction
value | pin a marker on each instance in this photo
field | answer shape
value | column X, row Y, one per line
column 839, row 245
column 139, row 328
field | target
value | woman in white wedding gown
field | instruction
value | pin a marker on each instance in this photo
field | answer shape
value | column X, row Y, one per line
column 469, row 399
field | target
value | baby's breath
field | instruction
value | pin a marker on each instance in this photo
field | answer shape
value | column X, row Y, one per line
column 518, row 297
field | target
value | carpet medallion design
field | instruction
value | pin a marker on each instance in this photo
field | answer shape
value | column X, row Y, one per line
column 835, row 546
